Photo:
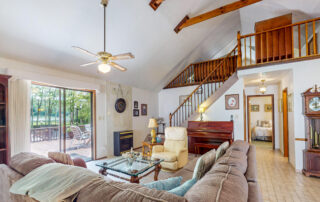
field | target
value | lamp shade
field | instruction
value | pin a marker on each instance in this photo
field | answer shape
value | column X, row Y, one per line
column 153, row 123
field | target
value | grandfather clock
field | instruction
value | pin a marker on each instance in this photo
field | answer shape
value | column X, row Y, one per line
column 311, row 110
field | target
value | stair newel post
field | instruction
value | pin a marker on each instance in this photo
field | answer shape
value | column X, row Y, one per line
column 239, row 49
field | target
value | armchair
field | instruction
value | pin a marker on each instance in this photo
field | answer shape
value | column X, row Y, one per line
column 174, row 152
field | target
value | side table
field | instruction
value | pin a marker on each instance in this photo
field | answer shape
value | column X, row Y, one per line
column 149, row 145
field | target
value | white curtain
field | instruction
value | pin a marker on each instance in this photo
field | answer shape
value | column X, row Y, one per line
column 19, row 115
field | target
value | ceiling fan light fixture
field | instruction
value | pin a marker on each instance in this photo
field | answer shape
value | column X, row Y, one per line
column 104, row 68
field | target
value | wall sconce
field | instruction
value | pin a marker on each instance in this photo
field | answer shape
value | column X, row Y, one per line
column 201, row 111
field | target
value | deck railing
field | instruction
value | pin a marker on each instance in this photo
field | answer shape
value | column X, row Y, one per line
column 215, row 77
column 296, row 41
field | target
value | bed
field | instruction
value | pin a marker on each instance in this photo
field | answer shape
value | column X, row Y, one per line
column 262, row 131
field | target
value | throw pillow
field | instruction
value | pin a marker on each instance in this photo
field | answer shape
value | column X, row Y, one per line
column 204, row 163
column 221, row 150
column 25, row 162
column 182, row 189
column 165, row 185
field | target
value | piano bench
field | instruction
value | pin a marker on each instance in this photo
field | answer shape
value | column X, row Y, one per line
column 197, row 146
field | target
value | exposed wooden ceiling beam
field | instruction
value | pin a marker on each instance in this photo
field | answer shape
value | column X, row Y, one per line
column 155, row 4
column 214, row 13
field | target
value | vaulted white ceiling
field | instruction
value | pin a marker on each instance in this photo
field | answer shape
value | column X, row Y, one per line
column 42, row 32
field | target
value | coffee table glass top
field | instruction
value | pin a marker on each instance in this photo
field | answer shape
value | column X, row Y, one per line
column 121, row 164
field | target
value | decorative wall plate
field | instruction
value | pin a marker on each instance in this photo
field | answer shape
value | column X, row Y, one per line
column 120, row 105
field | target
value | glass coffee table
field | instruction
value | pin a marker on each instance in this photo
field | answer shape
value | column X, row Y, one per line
column 141, row 167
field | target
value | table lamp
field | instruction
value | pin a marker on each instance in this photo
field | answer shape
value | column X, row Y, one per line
column 201, row 111
column 153, row 124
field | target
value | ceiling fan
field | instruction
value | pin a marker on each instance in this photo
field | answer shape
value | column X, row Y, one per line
column 105, row 59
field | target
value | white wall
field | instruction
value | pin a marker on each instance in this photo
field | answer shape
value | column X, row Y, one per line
column 303, row 75
column 108, row 120
column 217, row 111
column 169, row 100
column 140, row 123
column 274, row 90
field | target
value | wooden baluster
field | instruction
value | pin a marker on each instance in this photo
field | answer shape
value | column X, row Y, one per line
column 314, row 37
column 170, row 119
column 261, row 45
column 267, row 44
column 299, row 39
column 292, row 42
column 239, row 49
column 250, row 52
column 245, row 52
column 285, row 42
column 307, row 45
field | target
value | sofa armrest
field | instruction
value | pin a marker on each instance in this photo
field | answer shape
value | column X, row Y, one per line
column 157, row 149
column 182, row 156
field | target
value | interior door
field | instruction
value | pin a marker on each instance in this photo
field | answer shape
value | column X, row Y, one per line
column 285, row 123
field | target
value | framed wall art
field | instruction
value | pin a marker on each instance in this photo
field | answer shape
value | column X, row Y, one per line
column 268, row 107
column 144, row 109
column 135, row 112
column 232, row 101
column 135, row 104
column 254, row 108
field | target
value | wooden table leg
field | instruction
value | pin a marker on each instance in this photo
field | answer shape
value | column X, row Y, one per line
column 157, row 171
column 134, row 179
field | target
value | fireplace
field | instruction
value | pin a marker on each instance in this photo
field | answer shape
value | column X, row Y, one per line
column 123, row 141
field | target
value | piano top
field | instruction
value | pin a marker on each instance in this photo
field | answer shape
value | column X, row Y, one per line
column 210, row 126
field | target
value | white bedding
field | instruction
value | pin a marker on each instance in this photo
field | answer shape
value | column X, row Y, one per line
column 258, row 131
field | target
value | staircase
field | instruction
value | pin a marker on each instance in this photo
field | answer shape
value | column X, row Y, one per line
column 213, row 78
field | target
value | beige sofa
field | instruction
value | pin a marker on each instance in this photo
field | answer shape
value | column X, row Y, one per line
column 232, row 178
column 174, row 151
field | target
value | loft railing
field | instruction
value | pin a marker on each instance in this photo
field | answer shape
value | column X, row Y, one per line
column 296, row 41
column 214, row 78
column 195, row 73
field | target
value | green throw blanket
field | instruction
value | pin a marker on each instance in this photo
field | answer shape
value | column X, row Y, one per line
column 54, row 182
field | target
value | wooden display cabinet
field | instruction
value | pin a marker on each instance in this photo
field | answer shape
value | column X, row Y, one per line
column 311, row 110
column 4, row 135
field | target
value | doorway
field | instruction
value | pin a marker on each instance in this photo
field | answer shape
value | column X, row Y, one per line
column 260, row 111
column 62, row 121
column 285, row 123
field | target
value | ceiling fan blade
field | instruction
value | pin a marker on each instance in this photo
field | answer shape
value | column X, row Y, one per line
column 124, row 56
column 85, row 51
column 115, row 65
column 90, row 63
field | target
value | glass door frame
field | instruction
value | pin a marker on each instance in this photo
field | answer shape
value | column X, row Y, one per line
column 62, row 116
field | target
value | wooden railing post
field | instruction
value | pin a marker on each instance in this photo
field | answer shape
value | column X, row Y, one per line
column 170, row 119
column 239, row 50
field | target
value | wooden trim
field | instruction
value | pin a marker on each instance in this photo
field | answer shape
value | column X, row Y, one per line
column 94, row 124
column 245, row 114
column 285, row 123
column 301, row 139
column 273, row 116
column 178, row 27
column 214, row 13
column 155, row 4
column 284, row 61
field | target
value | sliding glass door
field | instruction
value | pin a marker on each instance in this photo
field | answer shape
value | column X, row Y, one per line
column 61, row 120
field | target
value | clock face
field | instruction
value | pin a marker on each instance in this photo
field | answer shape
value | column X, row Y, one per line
column 314, row 104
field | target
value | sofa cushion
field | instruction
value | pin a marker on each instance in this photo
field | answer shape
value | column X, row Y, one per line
column 204, row 163
column 191, row 165
column 240, row 145
column 25, row 162
column 221, row 150
column 254, row 194
column 221, row 186
column 166, row 185
column 251, row 174
column 182, row 189
column 128, row 192
column 166, row 156
column 239, row 162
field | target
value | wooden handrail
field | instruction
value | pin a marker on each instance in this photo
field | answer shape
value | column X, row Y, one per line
column 222, row 63
column 282, row 27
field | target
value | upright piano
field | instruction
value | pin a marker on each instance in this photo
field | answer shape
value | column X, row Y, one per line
column 205, row 135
